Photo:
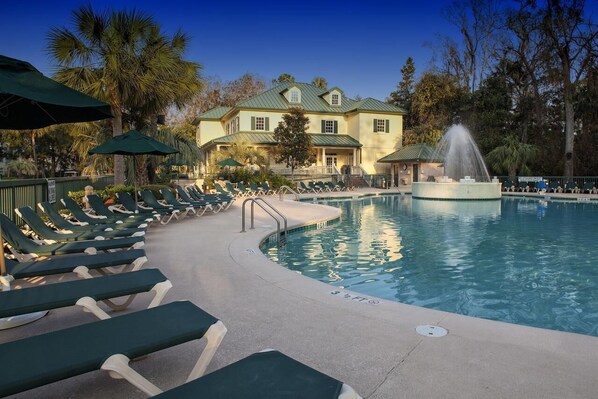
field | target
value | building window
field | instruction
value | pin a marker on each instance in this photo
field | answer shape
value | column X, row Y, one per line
column 294, row 96
column 381, row 126
column 260, row 123
column 328, row 126
column 237, row 124
column 334, row 99
column 228, row 128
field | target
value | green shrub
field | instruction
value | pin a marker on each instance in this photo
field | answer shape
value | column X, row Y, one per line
column 109, row 193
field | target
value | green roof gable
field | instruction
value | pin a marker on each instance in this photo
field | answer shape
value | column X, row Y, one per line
column 311, row 101
column 267, row 138
column 215, row 113
column 413, row 153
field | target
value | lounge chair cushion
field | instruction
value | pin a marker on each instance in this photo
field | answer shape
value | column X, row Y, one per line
column 66, row 264
column 271, row 375
column 35, row 361
column 59, row 295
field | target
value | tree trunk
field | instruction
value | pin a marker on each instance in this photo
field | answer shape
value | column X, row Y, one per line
column 569, row 125
column 141, row 170
column 34, row 154
column 119, row 162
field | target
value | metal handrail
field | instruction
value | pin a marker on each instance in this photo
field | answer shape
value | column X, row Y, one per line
column 257, row 201
column 283, row 189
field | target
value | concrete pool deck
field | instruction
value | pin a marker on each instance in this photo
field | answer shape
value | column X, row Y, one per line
column 372, row 347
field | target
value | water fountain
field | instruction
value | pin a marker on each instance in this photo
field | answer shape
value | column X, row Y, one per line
column 465, row 174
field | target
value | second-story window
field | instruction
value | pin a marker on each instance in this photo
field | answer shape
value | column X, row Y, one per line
column 260, row 123
column 334, row 99
column 328, row 126
column 381, row 125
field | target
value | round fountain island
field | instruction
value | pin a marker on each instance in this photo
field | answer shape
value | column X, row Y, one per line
column 465, row 189
column 465, row 174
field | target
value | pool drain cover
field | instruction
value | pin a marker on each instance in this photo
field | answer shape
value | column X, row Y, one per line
column 431, row 331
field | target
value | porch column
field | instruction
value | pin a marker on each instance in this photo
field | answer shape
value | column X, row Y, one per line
column 323, row 156
column 354, row 157
column 392, row 175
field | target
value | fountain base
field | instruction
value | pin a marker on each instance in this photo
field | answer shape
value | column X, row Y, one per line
column 457, row 191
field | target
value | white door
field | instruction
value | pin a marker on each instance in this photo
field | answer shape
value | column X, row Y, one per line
column 330, row 163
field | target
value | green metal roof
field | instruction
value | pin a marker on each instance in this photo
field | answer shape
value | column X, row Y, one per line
column 311, row 101
column 215, row 113
column 413, row 153
column 318, row 139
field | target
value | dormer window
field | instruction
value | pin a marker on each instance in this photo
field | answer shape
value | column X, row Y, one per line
column 334, row 99
column 294, row 96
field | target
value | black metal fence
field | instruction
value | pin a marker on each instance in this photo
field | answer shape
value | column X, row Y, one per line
column 17, row 193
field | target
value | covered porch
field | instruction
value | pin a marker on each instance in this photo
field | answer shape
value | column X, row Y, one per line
column 414, row 163
column 334, row 152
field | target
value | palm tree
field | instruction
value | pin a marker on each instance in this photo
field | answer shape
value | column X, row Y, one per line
column 320, row 82
column 242, row 152
column 123, row 58
column 21, row 167
column 511, row 157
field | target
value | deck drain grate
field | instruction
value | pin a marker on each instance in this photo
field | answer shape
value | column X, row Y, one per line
column 431, row 331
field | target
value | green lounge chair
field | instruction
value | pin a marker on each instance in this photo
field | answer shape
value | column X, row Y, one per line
column 86, row 293
column 83, row 217
column 198, row 195
column 171, row 199
column 58, row 221
column 508, row 185
column 43, row 231
column 257, row 190
column 267, row 189
column 247, row 191
column 302, row 188
column 222, row 191
column 322, row 186
column 21, row 243
column 236, row 193
column 108, row 345
column 214, row 206
column 589, row 187
column 333, row 187
column 100, row 209
column 105, row 263
column 314, row 188
column 343, row 186
column 571, row 187
column 522, row 186
column 126, row 200
column 554, row 187
column 150, row 200
column 269, row 374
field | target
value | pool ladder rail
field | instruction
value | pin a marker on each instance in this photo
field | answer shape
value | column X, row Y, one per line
column 284, row 189
column 270, row 210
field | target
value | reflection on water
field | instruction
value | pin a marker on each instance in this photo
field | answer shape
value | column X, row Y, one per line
column 522, row 261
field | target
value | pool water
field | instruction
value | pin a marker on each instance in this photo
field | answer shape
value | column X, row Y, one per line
column 523, row 261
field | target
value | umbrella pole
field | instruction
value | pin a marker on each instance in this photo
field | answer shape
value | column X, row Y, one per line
column 135, row 181
column 2, row 261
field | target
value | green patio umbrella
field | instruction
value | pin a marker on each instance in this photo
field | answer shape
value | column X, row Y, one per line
column 229, row 162
column 29, row 100
column 133, row 143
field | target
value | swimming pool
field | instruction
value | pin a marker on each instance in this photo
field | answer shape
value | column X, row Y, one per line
column 523, row 261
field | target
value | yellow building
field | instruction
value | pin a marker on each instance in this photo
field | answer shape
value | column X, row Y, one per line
column 343, row 131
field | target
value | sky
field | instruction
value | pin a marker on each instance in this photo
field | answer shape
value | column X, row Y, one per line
column 359, row 46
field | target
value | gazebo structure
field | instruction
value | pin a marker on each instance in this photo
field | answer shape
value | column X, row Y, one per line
column 413, row 163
